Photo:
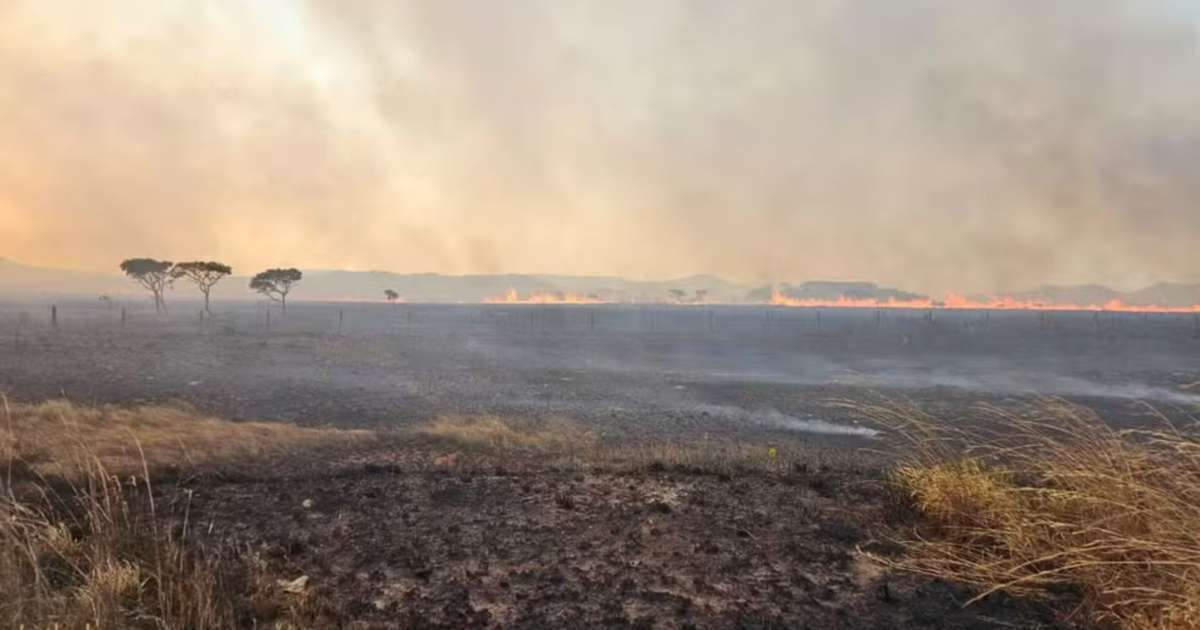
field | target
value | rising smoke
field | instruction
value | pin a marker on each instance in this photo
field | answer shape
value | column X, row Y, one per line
column 931, row 144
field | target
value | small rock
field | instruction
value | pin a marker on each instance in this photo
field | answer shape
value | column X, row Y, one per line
column 307, row 504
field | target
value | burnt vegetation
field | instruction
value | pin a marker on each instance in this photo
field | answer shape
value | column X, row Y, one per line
column 162, row 517
column 692, row 501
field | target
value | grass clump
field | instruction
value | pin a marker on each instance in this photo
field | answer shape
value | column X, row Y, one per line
column 712, row 456
column 493, row 433
column 60, row 439
column 962, row 492
column 94, row 555
column 82, row 542
column 1050, row 500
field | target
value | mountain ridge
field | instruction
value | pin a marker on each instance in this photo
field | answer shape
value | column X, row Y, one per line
column 20, row 280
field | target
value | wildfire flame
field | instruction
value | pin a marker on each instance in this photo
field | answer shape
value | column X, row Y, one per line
column 542, row 297
column 958, row 302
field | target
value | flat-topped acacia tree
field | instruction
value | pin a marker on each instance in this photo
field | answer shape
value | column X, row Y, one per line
column 204, row 274
column 154, row 275
column 391, row 296
column 276, row 284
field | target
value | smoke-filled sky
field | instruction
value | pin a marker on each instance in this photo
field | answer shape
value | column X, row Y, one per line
column 982, row 145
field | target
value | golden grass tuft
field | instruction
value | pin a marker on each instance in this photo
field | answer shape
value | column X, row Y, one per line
column 60, row 438
column 493, row 433
column 1050, row 499
column 97, row 557
column 965, row 492
column 81, row 544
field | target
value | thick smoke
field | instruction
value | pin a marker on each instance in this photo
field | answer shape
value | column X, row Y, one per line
column 931, row 144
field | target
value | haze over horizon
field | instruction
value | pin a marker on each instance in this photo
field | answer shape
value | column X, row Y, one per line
column 936, row 146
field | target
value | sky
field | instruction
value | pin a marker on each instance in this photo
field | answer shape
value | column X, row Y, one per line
column 936, row 145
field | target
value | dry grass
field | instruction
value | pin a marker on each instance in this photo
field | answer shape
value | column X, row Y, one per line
column 98, row 558
column 710, row 456
column 1051, row 499
column 563, row 441
column 81, row 544
column 493, row 433
column 59, row 439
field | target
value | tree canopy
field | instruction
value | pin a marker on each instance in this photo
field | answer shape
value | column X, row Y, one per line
column 209, row 270
column 204, row 274
column 276, row 283
column 154, row 275
column 138, row 268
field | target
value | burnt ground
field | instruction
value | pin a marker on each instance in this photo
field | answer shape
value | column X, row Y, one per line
column 387, row 540
column 626, row 371
column 394, row 541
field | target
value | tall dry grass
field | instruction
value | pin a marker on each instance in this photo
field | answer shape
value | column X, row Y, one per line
column 97, row 557
column 61, row 439
column 82, row 544
column 1050, row 500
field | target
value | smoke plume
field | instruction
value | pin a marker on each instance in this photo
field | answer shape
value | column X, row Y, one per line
column 930, row 144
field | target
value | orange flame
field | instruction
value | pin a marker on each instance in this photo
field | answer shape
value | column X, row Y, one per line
column 958, row 302
column 542, row 297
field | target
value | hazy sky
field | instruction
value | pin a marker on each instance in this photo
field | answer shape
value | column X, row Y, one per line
column 975, row 145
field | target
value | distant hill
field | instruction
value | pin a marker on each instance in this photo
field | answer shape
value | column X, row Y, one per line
column 1085, row 294
column 826, row 290
column 433, row 287
column 22, row 280
column 1166, row 294
column 1163, row 294
column 25, row 281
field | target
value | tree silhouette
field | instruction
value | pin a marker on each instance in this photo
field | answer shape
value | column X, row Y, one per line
column 276, row 284
column 154, row 275
column 677, row 294
column 204, row 274
column 391, row 296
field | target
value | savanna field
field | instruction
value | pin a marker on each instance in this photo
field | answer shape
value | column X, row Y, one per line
column 541, row 314
column 380, row 466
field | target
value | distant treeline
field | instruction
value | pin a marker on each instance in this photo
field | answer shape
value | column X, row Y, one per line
column 156, row 276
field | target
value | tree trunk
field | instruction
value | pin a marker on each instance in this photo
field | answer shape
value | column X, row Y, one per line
column 206, row 309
